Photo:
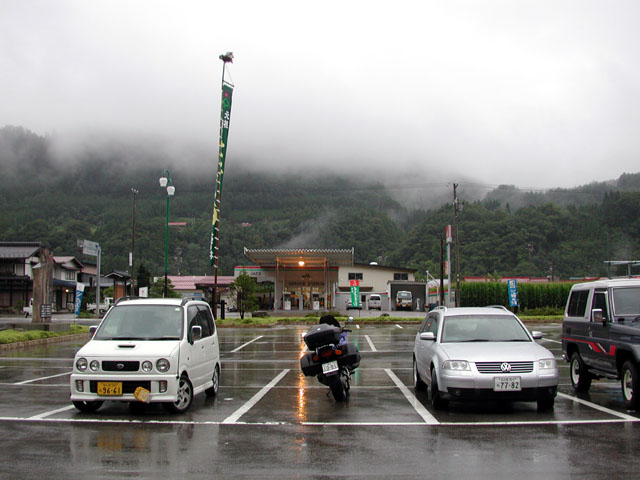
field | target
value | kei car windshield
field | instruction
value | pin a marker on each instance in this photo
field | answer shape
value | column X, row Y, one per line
column 141, row 322
column 626, row 301
column 483, row 328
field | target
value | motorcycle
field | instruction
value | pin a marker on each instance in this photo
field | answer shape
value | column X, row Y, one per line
column 331, row 358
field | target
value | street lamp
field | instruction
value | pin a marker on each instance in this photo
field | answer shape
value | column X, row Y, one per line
column 165, row 181
column 133, row 241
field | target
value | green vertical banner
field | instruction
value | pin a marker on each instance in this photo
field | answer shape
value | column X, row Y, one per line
column 225, row 120
column 355, row 293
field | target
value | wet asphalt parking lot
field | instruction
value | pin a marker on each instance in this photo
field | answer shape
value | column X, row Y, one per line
column 268, row 420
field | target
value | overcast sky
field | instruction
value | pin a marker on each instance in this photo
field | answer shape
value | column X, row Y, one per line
column 532, row 93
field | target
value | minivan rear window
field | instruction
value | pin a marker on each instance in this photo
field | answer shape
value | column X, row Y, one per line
column 578, row 303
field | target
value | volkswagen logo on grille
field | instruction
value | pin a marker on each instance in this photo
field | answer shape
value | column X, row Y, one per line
column 505, row 367
column 120, row 366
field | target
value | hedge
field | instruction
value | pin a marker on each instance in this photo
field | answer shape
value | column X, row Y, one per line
column 530, row 295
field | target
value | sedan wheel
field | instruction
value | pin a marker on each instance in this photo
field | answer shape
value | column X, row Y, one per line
column 418, row 384
column 437, row 402
column 185, row 397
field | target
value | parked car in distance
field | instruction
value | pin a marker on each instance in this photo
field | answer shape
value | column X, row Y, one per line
column 375, row 302
column 482, row 354
column 601, row 335
column 149, row 350
column 404, row 300
column 105, row 305
column 350, row 306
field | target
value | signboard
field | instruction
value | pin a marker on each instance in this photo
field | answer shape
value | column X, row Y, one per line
column 448, row 235
column 512, row 286
column 355, row 293
column 143, row 292
column 45, row 310
column 90, row 248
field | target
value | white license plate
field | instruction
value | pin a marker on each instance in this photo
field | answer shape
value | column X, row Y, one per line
column 330, row 367
column 506, row 384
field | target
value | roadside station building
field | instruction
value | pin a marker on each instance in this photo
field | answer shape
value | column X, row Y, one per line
column 319, row 279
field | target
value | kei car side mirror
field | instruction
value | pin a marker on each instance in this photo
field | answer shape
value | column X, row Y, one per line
column 537, row 335
column 196, row 333
column 92, row 330
column 428, row 336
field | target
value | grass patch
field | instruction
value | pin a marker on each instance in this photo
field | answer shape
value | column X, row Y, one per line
column 15, row 336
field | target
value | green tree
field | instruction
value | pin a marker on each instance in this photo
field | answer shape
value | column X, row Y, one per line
column 157, row 289
column 243, row 290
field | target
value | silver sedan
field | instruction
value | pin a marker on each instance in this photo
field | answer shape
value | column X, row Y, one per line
column 482, row 354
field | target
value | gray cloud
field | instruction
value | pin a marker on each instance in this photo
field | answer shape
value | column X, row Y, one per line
column 533, row 93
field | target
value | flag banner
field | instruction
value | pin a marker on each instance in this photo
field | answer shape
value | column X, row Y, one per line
column 79, row 293
column 225, row 119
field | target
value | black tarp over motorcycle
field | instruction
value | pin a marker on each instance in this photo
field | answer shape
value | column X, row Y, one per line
column 331, row 358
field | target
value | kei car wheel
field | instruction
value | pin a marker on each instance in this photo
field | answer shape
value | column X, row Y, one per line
column 580, row 377
column 630, row 381
column 437, row 402
column 213, row 390
column 185, row 397
column 87, row 407
column 418, row 384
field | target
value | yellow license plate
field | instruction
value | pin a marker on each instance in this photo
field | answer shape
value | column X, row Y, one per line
column 109, row 388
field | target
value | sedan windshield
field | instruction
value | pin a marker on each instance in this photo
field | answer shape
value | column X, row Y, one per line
column 141, row 322
column 483, row 328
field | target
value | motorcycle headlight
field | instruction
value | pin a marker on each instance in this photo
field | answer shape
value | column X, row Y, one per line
column 81, row 364
column 456, row 365
column 547, row 364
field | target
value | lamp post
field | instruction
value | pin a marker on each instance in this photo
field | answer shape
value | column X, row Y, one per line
column 133, row 242
column 165, row 181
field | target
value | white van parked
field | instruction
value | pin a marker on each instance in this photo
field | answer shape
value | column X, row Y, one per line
column 375, row 302
column 149, row 350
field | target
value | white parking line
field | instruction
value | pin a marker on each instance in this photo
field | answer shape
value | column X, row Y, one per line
column 52, row 412
column 595, row 406
column 399, row 326
column 415, row 403
column 42, row 378
column 245, row 344
column 358, row 327
column 235, row 416
column 373, row 347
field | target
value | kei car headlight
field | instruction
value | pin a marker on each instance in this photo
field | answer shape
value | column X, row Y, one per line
column 81, row 364
column 147, row 366
column 547, row 364
column 456, row 365
column 94, row 365
column 163, row 365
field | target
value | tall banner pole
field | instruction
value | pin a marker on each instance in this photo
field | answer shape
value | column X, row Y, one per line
column 225, row 119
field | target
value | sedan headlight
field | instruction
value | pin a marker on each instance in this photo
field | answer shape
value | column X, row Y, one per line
column 547, row 364
column 163, row 365
column 147, row 366
column 81, row 364
column 456, row 365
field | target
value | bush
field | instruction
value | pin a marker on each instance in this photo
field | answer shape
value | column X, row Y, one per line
column 530, row 295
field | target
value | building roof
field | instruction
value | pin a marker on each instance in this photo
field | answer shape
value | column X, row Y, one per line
column 194, row 282
column 285, row 257
column 70, row 263
column 20, row 249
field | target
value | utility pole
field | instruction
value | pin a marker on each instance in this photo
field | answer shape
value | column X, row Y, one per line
column 457, row 251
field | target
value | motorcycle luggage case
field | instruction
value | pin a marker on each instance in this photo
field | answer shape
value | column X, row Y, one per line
column 309, row 367
column 322, row 334
column 350, row 357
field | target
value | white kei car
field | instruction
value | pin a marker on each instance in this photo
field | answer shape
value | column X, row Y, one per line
column 148, row 350
column 482, row 354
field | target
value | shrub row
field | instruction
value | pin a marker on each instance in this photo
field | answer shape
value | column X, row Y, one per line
column 530, row 295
